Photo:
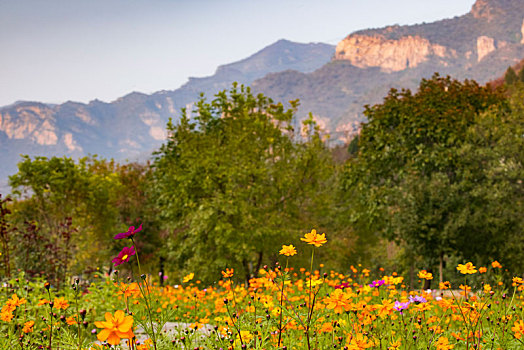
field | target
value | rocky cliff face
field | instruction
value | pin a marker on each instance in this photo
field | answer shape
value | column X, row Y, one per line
column 478, row 45
column 485, row 46
column 390, row 55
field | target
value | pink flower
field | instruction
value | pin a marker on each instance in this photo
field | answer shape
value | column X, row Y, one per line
column 130, row 232
column 124, row 255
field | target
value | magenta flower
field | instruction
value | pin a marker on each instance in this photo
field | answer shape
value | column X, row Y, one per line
column 401, row 306
column 376, row 284
column 124, row 255
column 130, row 232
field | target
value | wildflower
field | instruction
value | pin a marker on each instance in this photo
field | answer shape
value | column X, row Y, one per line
column 15, row 301
column 60, row 303
column 443, row 344
column 342, row 285
column 423, row 274
column 401, row 306
column 417, row 299
column 314, row 238
column 6, row 315
column 124, row 255
column 496, row 265
column 377, row 283
column 130, row 232
column 28, row 326
column 466, row 289
column 71, row 320
column 518, row 329
column 188, row 278
column 338, row 301
column 395, row 345
column 444, row 285
column 517, row 281
column 482, row 269
column 466, row 269
column 115, row 328
column 42, row 302
column 228, row 273
column 288, row 250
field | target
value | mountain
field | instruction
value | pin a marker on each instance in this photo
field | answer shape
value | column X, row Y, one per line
column 479, row 45
column 333, row 83
column 133, row 125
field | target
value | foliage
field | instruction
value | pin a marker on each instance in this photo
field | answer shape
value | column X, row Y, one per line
column 284, row 307
column 90, row 197
column 232, row 180
column 510, row 77
column 406, row 181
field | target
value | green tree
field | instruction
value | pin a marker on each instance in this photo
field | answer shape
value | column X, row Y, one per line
column 510, row 77
column 403, row 183
column 521, row 75
column 76, row 207
column 232, row 184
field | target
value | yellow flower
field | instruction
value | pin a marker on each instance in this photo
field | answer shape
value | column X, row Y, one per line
column 115, row 328
column 517, row 281
column 288, row 250
column 188, row 277
column 314, row 238
column 466, row 269
column 28, row 326
column 228, row 273
column 423, row 274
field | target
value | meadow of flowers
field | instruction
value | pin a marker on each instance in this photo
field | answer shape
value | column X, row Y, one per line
column 283, row 308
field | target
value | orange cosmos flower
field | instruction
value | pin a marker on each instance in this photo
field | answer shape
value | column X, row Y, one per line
column 443, row 344
column 228, row 273
column 482, row 269
column 115, row 328
column 423, row 274
column 28, row 326
column 518, row 328
column 15, row 301
column 338, row 300
column 288, row 250
column 466, row 269
column 60, row 303
column 444, row 285
column 314, row 238
column 71, row 320
column 496, row 265
column 517, row 281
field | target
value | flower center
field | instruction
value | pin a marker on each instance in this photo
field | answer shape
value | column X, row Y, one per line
column 125, row 257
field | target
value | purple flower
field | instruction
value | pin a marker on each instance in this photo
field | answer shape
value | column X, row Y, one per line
column 417, row 299
column 124, row 255
column 130, row 232
column 376, row 284
column 401, row 306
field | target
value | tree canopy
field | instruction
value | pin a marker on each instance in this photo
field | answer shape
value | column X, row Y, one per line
column 232, row 180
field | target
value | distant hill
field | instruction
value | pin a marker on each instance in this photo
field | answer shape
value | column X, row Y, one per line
column 333, row 83
column 479, row 45
column 133, row 125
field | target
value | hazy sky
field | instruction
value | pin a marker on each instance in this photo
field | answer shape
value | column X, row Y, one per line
column 59, row 50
